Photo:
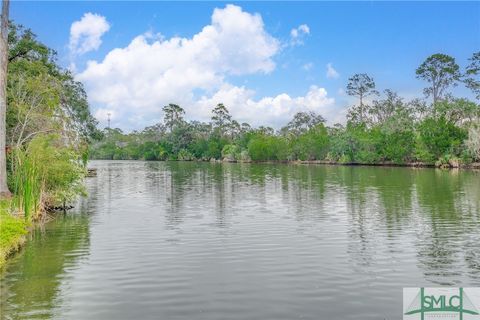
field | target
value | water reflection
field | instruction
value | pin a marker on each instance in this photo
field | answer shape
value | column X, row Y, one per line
column 214, row 241
column 33, row 288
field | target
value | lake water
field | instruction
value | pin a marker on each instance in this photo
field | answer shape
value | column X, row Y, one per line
column 180, row 240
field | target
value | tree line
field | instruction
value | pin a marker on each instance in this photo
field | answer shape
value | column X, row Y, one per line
column 380, row 128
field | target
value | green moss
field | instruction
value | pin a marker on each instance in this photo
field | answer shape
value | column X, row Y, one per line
column 12, row 232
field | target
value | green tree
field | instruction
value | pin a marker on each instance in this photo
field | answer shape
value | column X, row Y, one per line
column 262, row 147
column 74, row 104
column 302, row 122
column 472, row 79
column 342, row 145
column 181, row 137
column 361, row 85
column 234, row 129
column 459, row 111
column 398, row 145
column 245, row 128
column 154, row 133
column 231, row 152
column 34, row 100
column 24, row 45
column 221, row 118
column 356, row 143
column 173, row 116
column 439, row 137
column 392, row 106
column 42, row 97
column 311, row 145
column 214, row 150
column 441, row 71
column 392, row 121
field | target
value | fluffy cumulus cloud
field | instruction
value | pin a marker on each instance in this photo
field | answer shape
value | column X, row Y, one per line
column 331, row 72
column 272, row 111
column 86, row 34
column 134, row 82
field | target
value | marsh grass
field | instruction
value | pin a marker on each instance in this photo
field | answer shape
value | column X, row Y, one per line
column 27, row 185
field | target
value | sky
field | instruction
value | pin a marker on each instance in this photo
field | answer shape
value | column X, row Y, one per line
column 264, row 60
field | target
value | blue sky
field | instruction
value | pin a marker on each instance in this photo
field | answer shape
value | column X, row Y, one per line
column 248, row 57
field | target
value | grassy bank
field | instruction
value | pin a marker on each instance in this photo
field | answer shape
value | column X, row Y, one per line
column 13, row 229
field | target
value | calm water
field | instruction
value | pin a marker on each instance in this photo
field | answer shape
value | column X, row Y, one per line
column 237, row 241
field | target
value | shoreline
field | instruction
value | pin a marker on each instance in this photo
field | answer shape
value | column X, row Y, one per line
column 474, row 165
column 456, row 165
column 14, row 230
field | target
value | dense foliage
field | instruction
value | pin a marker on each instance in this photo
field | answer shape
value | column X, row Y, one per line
column 49, row 126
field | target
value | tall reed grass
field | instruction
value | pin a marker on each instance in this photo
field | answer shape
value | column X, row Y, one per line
column 27, row 184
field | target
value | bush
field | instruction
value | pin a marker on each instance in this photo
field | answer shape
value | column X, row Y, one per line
column 312, row 145
column 345, row 159
column 244, row 156
column 438, row 137
column 265, row 147
column 214, row 150
column 46, row 172
column 185, row 155
column 398, row 146
column 149, row 155
column 231, row 152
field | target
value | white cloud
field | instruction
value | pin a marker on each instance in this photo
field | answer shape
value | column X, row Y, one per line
column 302, row 29
column 331, row 72
column 86, row 34
column 298, row 34
column 308, row 66
column 134, row 82
column 272, row 111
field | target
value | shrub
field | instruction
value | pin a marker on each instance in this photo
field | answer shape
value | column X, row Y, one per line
column 265, row 147
column 438, row 137
column 311, row 145
column 46, row 171
column 231, row 152
column 185, row 155
column 398, row 146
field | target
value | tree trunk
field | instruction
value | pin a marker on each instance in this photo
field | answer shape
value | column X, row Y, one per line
column 4, row 192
